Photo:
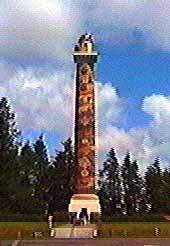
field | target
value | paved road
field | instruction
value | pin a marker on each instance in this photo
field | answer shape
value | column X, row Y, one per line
column 5, row 243
column 98, row 242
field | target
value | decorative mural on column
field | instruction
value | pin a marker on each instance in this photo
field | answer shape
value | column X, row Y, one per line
column 85, row 57
column 85, row 116
column 85, row 131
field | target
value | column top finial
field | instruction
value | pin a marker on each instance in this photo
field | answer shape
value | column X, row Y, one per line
column 85, row 44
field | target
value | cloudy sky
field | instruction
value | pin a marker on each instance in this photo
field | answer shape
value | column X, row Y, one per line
column 133, row 82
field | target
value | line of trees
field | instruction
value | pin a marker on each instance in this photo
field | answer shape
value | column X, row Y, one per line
column 123, row 190
column 31, row 183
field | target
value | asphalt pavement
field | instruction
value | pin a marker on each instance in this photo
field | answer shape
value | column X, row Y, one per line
column 93, row 242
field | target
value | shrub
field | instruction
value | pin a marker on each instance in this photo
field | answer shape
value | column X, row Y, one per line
column 61, row 217
column 22, row 217
column 134, row 230
column 58, row 217
column 134, row 218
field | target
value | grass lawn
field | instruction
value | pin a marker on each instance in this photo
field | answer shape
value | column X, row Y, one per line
column 13, row 230
column 134, row 230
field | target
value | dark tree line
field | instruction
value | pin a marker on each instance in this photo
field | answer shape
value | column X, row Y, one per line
column 32, row 183
column 123, row 190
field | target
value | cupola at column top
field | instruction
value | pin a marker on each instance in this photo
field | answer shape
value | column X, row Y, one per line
column 86, row 49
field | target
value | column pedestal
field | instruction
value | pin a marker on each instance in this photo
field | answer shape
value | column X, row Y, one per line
column 88, row 201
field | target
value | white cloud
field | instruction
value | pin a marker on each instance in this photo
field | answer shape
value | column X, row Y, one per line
column 47, row 30
column 41, row 103
column 35, row 92
column 43, row 98
column 116, row 21
column 145, row 144
column 110, row 105
column 158, row 106
column 38, row 29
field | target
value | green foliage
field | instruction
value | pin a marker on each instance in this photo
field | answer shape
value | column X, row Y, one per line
column 22, row 217
column 22, row 230
column 26, row 217
column 166, row 191
column 9, row 145
column 134, row 218
column 157, row 187
column 8, row 132
column 62, row 178
column 25, row 194
column 42, row 181
column 61, row 217
column 132, row 185
column 30, row 183
column 110, row 185
column 134, row 230
column 23, row 169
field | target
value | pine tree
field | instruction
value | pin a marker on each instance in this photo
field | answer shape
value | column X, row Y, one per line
column 62, row 178
column 26, row 201
column 166, row 191
column 41, row 167
column 132, row 184
column 143, row 205
column 110, row 185
column 9, row 145
column 157, row 188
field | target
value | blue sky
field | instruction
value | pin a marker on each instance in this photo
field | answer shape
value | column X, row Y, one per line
column 133, row 100
column 136, row 73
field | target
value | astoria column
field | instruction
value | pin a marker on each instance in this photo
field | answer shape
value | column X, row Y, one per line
column 84, row 197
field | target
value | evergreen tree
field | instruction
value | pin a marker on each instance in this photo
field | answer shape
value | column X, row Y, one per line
column 166, row 191
column 132, row 184
column 157, row 187
column 9, row 145
column 26, row 201
column 62, row 178
column 143, row 205
column 110, row 185
column 42, row 175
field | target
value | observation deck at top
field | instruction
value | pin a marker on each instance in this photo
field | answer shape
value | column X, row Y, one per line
column 84, row 51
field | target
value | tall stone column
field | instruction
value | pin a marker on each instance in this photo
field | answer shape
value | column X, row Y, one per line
column 85, row 57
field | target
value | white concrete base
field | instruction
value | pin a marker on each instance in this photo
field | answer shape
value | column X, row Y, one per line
column 89, row 201
column 88, row 231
